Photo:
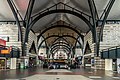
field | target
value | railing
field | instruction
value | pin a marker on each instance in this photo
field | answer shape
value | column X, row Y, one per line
column 111, row 48
column 10, row 22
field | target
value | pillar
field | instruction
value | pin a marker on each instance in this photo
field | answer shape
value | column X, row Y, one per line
column 108, row 64
column 99, row 63
column 13, row 63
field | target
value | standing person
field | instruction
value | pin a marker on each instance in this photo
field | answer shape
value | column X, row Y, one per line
column 56, row 65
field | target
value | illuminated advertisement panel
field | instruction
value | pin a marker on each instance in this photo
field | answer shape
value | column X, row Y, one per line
column 5, row 52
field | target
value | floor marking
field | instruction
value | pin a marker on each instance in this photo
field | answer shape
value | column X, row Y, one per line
column 94, row 77
column 57, row 77
column 58, row 70
column 116, row 77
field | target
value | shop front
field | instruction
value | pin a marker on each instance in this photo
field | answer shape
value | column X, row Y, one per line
column 8, row 57
column 111, row 57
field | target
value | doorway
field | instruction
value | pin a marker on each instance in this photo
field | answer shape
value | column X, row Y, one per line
column 114, row 65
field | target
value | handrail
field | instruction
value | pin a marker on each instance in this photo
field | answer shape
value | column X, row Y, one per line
column 9, row 22
column 110, row 48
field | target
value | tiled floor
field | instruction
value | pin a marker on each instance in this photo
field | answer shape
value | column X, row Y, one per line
column 58, row 74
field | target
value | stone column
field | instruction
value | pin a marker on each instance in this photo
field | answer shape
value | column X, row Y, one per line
column 13, row 63
column 99, row 63
column 108, row 64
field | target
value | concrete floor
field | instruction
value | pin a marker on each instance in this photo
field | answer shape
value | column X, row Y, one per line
column 58, row 74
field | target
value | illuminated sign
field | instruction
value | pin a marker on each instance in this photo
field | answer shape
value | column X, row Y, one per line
column 5, row 52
